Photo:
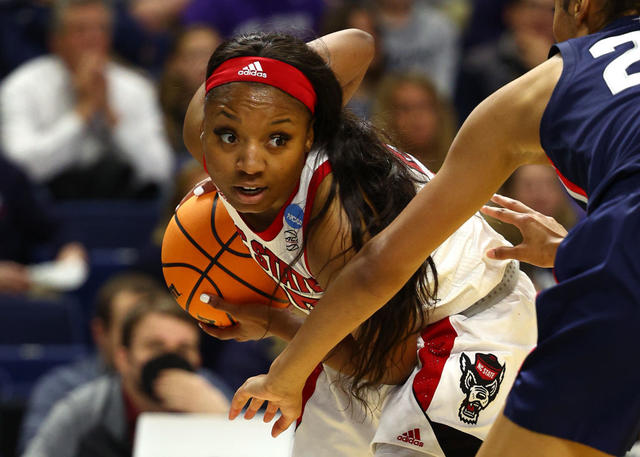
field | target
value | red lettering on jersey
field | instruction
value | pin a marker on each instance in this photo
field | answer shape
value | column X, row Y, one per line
column 300, row 284
column 260, row 254
column 286, row 278
column 313, row 285
column 243, row 237
column 273, row 263
column 300, row 301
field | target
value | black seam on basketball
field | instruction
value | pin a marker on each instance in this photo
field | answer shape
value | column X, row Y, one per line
column 214, row 232
column 249, row 285
column 214, row 261
column 184, row 265
column 191, row 240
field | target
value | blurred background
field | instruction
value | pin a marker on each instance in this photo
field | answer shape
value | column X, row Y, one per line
column 92, row 163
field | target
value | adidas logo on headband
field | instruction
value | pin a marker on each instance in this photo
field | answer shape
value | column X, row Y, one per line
column 253, row 69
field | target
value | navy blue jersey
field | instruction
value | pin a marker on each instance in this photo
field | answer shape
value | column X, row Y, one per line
column 591, row 127
column 580, row 382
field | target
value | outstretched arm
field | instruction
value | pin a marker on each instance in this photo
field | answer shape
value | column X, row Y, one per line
column 348, row 53
column 500, row 135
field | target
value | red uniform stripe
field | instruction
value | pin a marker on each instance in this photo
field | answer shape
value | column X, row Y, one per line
column 438, row 342
column 308, row 390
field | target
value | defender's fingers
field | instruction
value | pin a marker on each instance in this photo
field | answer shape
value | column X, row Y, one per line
column 510, row 203
column 505, row 252
column 270, row 412
column 502, row 214
column 253, row 408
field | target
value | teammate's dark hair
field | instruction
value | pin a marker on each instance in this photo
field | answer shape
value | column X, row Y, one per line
column 373, row 186
column 613, row 9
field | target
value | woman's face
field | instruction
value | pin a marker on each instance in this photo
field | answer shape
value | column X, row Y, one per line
column 255, row 139
column 414, row 115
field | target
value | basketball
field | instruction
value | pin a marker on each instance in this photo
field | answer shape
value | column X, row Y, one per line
column 203, row 252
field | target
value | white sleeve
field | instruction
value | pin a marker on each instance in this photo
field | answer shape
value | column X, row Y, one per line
column 140, row 138
column 41, row 151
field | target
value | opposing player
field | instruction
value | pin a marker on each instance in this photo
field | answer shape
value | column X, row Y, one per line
column 576, row 394
column 307, row 185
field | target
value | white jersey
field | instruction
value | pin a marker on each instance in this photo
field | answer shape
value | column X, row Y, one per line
column 481, row 329
column 465, row 273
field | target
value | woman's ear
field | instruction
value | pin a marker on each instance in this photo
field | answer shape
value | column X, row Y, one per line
column 309, row 141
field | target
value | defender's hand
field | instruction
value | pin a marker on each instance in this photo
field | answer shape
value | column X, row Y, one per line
column 541, row 235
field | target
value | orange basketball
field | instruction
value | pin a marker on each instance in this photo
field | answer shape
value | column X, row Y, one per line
column 203, row 252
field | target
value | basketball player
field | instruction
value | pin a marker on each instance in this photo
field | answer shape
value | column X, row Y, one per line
column 306, row 185
column 575, row 395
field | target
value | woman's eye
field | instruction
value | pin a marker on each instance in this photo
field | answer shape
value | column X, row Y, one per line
column 228, row 138
column 278, row 140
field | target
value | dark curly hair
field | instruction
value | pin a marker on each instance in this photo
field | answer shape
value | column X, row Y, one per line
column 373, row 186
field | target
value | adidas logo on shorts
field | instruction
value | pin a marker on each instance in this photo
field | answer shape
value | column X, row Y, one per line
column 253, row 69
column 411, row 437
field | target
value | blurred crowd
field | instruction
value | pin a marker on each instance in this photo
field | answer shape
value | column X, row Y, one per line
column 93, row 94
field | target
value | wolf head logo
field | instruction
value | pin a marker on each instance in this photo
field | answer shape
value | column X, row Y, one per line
column 480, row 382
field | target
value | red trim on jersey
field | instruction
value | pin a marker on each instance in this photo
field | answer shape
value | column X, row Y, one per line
column 308, row 390
column 406, row 159
column 568, row 184
column 322, row 171
column 438, row 342
column 270, row 232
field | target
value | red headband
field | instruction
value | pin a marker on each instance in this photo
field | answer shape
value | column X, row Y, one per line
column 266, row 71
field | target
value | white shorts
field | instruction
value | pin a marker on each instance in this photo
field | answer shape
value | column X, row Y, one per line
column 466, row 366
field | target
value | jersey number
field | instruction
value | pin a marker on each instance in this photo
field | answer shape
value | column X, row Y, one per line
column 615, row 75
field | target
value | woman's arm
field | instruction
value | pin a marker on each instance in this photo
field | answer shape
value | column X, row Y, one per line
column 348, row 53
column 500, row 135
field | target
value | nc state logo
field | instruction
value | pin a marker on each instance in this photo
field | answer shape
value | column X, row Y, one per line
column 480, row 382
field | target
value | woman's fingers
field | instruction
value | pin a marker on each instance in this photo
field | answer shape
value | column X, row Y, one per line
column 238, row 401
column 270, row 412
column 203, row 187
column 254, row 405
column 282, row 424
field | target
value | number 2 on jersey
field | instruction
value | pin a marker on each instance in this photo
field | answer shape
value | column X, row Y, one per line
column 615, row 74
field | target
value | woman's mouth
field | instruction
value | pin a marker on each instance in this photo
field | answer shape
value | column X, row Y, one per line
column 249, row 195
column 250, row 190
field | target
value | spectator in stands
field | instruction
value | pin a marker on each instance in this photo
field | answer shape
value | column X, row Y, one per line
column 26, row 222
column 232, row 17
column 419, row 38
column 158, row 350
column 538, row 187
column 419, row 120
column 523, row 45
column 114, row 299
column 91, row 128
column 359, row 15
column 184, row 72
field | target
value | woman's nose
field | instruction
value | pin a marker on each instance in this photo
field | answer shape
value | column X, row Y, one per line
column 251, row 159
